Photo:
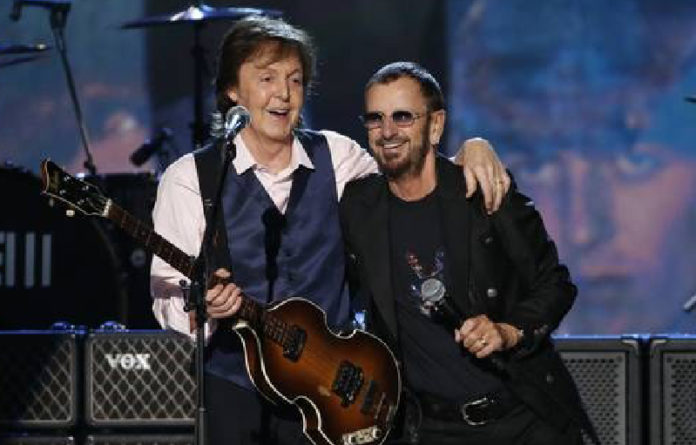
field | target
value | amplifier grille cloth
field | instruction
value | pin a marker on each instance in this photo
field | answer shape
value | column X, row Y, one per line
column 37, row 382
column 601, row 381
column 141, row 380
column 679, row 392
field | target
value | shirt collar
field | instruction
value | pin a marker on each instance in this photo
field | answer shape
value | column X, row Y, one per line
column 245, row 160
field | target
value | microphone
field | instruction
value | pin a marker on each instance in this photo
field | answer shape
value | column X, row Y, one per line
column 145, row 151
column 236, row 119
column 54, row 5
column 433, row 291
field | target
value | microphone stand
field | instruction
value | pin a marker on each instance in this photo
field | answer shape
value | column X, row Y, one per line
column 59, row 17
column 198, row 287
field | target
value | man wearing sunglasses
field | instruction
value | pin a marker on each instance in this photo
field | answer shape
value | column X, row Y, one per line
column 467, row 299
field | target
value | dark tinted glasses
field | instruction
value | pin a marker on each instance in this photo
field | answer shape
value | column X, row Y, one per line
column 401, row 118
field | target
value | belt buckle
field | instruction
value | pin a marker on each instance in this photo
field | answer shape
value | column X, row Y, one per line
column 483, row 401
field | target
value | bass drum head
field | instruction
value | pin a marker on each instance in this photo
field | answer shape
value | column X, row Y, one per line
column 53, row 267
column 136, row 193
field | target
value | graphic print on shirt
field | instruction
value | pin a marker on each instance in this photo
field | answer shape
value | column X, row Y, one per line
column 421, row 275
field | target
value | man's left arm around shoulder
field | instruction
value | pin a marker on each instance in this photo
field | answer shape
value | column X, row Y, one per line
column 546, row 293
column 483, row 169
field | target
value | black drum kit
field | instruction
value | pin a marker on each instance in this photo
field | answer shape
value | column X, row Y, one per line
column 83, row 271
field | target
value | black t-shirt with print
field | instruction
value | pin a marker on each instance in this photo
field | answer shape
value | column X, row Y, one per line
column 433, row 362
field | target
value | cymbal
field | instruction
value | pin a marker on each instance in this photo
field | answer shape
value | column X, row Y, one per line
column 15, row 48
column 18, row 60
column 203, row 13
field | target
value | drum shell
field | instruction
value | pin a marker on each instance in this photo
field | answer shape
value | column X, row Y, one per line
column 53, row 267
column 136, row 193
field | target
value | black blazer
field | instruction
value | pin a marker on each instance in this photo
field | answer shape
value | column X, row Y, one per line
column 503, row 265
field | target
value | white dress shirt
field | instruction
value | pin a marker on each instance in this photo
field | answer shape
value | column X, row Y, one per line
column 178, row 212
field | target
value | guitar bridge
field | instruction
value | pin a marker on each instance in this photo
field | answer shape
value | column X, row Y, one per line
column 365, row 435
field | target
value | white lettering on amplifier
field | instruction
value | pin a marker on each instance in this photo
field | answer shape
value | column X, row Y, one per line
column 36, row 268
column 128, row 361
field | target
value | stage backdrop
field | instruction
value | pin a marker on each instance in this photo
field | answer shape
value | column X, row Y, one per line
column 585, row 102
column 36, row 114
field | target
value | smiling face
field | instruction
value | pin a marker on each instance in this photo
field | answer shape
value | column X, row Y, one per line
column 271, row 87
column 402, row 150
column 625, row 228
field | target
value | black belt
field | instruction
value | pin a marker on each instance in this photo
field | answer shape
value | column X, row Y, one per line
column 475, row 412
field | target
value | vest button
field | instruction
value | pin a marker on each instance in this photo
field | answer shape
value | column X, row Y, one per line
column 491, row 292
column 549, row 378
column 488, row 240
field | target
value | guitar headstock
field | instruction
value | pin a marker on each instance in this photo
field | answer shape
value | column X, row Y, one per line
column 78, row 194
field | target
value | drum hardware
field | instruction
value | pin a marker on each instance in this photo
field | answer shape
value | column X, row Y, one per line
column 14, row 49
column 58, row 10
column 151, row 146
column 18, row 60
column 197, row 15
column 17, row 48
column 52, row 5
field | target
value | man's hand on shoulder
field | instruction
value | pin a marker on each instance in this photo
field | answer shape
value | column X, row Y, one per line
column 482, row 167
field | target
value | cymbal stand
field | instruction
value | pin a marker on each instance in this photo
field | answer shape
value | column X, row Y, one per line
column 58, row 19
column 198, row 127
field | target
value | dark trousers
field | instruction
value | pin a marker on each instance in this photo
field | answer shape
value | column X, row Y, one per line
column 519, row 427
column 237, row 416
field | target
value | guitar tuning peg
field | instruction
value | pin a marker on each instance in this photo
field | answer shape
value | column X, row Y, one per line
column 69, row 213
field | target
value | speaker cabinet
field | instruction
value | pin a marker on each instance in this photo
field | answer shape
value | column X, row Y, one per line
column 36, row 440
column 140, row 439
column 607, row 373
column 38, row 381
column 139, row 379
column 673, row 390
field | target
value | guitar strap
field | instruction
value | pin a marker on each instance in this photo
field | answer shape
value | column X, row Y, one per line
column 208, row 165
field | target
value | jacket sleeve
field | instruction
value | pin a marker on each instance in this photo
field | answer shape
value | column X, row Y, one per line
column 356, row 292
column 350, row 215
column 547, row 292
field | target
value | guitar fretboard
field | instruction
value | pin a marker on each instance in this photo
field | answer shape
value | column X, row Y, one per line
column 151, row 240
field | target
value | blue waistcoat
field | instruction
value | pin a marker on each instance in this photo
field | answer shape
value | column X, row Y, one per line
column 275, row 256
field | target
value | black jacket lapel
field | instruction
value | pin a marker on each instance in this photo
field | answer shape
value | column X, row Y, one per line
column 456, row 217
column 376, row 253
